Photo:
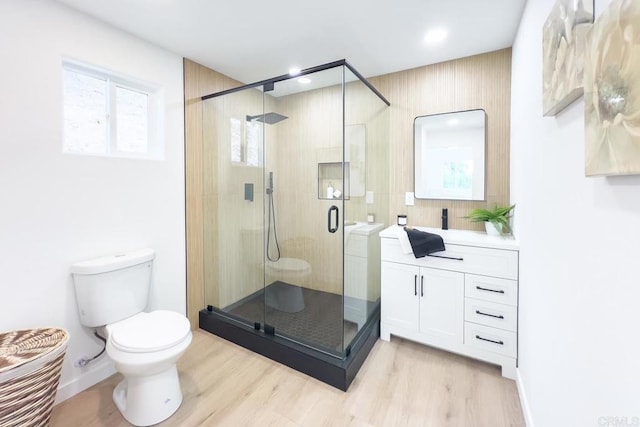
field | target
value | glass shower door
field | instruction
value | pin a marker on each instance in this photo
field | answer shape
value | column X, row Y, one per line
column 304, row 210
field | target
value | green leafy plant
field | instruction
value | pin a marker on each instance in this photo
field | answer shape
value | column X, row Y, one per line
column 499, row 216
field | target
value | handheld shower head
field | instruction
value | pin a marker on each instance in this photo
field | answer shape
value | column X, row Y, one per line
column 270, row 187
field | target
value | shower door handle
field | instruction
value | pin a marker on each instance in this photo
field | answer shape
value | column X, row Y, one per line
column 331, row 229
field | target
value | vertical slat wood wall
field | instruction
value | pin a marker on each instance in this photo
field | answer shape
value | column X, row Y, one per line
column 198, row 81
column 481, row 81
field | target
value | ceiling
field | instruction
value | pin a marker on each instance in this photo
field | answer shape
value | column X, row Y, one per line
column 253, row 40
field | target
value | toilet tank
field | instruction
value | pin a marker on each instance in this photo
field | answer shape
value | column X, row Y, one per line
column 112, row 288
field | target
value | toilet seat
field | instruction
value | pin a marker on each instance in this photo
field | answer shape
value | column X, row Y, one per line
column 149, row 332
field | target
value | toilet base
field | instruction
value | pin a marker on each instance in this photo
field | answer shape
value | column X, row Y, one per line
column 284, row 297
column 144, row 401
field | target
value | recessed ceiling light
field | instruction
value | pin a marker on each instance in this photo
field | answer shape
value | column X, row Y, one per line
column 453, row 122
column 435, row 36
column 304, row 80
column 294, row 71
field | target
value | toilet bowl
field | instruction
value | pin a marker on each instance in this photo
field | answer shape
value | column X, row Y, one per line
column 290, row 271
column 145, row 349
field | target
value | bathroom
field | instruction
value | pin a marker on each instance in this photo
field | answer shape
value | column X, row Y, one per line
column 60, row 209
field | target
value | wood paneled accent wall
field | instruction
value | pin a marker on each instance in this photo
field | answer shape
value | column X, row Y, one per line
column 198, row 81
column 481, row 81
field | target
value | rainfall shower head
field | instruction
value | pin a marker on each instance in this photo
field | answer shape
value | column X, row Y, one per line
column 268, row 118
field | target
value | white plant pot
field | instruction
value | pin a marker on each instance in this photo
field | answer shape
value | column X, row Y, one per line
column 493, row 229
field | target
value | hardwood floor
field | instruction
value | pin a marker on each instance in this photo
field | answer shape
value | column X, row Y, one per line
column 400, row 384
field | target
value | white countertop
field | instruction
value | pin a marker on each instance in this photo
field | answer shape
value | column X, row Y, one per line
column 460, row 237
column 364, row 228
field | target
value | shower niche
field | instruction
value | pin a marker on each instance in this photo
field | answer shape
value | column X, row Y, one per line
column 343, row 168
column 333, row 181
column 275, row 265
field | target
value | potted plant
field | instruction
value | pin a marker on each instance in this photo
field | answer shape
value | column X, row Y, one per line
column 496, row 220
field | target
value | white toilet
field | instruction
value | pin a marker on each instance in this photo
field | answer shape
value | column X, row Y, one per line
column 284, row 296
column 112, row 292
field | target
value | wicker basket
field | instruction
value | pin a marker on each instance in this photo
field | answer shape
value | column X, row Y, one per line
column 30, row 363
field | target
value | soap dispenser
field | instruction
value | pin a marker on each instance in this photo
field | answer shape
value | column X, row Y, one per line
column 330, row 191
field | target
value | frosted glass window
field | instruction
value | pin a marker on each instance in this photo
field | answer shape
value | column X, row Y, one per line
column 246, row 147
column 85, row 113
column 236, row 139
column 107, row 114
column 132, row 120
column 254, row 136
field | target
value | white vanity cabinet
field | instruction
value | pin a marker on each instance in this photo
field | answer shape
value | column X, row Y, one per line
column 467, row 305
column 423, row 302
column 361, row 270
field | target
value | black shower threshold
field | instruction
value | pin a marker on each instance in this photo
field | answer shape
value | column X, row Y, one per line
column 336, row 372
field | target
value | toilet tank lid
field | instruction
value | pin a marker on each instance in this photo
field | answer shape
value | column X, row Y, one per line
column 113, row 262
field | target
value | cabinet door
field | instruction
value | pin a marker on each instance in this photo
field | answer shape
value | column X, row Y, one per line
column 441, row 305
column 399, row 307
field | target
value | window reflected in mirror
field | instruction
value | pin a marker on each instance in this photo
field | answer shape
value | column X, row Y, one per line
column 449, row 156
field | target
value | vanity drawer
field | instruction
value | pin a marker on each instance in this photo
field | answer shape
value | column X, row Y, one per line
column 491, row 314
column 502, row 291
column 490, row 339
column 476, row 260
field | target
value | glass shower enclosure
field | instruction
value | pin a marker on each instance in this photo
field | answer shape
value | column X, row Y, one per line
column 296, row 190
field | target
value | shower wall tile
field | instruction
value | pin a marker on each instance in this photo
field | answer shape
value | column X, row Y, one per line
column 198, row 81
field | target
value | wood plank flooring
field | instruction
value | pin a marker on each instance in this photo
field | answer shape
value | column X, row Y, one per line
column 400, row 384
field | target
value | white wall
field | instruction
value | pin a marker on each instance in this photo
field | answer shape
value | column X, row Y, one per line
column 580, row 255
column 57, row 209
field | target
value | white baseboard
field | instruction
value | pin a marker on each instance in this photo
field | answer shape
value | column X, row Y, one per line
column 91, row 377
column 526, row 411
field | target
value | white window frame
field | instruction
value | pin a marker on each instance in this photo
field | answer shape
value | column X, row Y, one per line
column 155, row 111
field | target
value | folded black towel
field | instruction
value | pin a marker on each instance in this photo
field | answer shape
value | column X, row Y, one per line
column 424, row 243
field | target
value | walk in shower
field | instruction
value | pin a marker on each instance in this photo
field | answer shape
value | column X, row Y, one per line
column 295, row 172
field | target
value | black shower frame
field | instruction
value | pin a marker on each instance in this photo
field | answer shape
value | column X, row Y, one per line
column 269, row 83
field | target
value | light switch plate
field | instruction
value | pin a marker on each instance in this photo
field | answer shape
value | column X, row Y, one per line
column 369, row 197
column 409, row 199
